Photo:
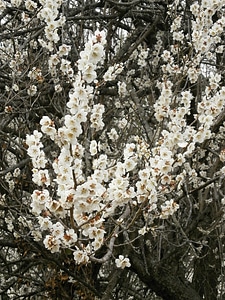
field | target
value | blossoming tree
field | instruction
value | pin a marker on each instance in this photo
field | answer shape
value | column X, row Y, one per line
column 112, row 149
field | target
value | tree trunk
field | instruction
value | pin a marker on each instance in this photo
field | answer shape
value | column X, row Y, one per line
column 162, row 281
column 206, row 274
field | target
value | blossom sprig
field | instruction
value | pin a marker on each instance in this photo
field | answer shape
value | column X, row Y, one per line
column 49, row 14
column 77, row 197
column 206, row 34
column 113, row 72
column 168, row 209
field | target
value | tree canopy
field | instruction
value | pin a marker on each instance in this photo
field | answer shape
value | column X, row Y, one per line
column 112, row 129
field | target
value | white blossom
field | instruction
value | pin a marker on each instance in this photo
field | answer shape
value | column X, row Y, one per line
column 122, row 262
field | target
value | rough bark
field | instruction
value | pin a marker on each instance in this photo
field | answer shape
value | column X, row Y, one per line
column 164, row 283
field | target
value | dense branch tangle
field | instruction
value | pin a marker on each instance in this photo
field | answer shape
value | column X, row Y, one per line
column 136, row 207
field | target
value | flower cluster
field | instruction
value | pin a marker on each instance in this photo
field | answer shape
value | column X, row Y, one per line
column 88, row 200
column 10, row 178
column 36, row 74
column 168, row 209
column 59, row 237
column 142, row 176
column 50, row 15
column 113, row 72
column 81, row 199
